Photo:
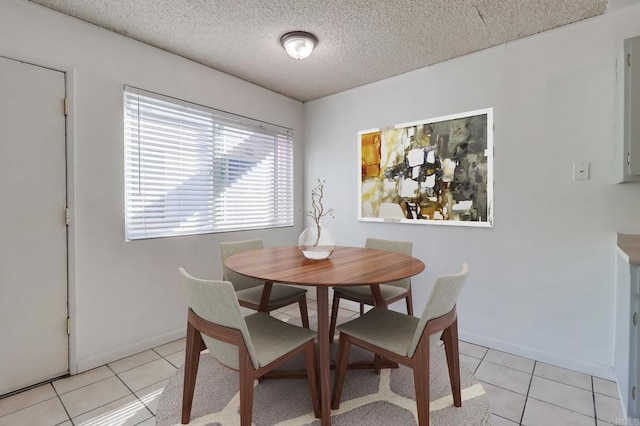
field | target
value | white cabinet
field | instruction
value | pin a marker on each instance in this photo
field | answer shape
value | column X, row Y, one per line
column 631, row 149
column 626, row 339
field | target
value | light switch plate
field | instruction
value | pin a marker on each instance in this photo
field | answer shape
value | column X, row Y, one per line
column 581, row 170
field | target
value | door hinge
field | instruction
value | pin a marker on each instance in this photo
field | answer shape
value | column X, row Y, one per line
column 66, row 106
column 68, row 326
column 628, row 158
column 635, row 319
column 633, row 393
column 628, row 59
column 67, row 217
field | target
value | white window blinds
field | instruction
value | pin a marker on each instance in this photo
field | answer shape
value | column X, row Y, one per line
column 194, row 170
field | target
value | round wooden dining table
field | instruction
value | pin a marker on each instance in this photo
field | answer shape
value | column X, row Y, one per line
column 347, row 266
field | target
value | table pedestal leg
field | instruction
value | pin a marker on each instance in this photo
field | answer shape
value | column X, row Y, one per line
column 324, row 356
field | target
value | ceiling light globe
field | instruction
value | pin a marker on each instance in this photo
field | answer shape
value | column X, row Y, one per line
column 299, row 44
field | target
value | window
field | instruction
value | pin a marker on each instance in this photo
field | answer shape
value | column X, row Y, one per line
column 194, row 170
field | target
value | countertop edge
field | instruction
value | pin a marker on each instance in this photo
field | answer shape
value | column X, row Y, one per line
column 629, row 244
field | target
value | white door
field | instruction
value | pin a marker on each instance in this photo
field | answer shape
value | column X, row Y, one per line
column 33, row 235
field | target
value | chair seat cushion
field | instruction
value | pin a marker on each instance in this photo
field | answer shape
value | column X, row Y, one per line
column 363, row 292
column 384, row 328
column 281, row 294
column 273, row 338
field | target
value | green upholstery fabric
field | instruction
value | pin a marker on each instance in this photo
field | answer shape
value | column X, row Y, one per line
column 240, row 282
column 387, row 329
column 402, row 247
column 280, row 294
column 266, row 338
column 216, row 302
column 400, row 333
column 273, row 338
column 442, row 299
column 363, row 292
column 250, row 289
column 389, row 290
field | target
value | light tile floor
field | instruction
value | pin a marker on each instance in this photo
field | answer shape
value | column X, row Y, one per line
column 125, row 392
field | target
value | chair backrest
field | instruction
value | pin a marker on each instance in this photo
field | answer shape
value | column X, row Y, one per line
column 402, row 247
column 216, row 302
column 240, row 282
column 441, row 301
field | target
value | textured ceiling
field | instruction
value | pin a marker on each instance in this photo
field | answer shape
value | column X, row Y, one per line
column 360, row 41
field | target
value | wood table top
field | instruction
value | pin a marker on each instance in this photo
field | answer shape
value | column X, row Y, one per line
column 345, row 266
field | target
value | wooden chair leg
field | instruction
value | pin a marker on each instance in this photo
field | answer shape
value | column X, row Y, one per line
column 377, row 359
column 312, row 376
column 246, row 387
column 192, row 358
column 377, row 363
column 304, row 314
column 421, row 382
column 341, row 368
column 450, row 337
column 409, row 303
column 334, row 315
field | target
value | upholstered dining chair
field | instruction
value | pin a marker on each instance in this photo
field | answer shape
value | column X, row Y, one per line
column 408, row 340
column 249, row 290
column 391, row 292
column 254, row 345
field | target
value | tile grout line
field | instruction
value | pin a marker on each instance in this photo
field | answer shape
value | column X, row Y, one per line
column 593, row 396
column 165, row 356
column 64, row 407
column 28, row 406
column 526, row 398
column 34, row 386
column 481, row 360
column 541, row 377
column 561, row 383
column 502, row 417
column 560, row 406
column 476, row 369
column 88, row 384
column 129, row 369
column 122, row 381
column 511, row 368
column 132, row 392
column 58, row 396
column 95, row 408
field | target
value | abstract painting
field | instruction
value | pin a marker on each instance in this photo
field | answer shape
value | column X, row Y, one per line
column 434, row 171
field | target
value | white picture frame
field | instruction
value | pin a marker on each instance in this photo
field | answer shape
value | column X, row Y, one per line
column 437, row 171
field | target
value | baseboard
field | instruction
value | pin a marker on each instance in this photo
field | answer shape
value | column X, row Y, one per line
column 123, row 352
column 624, row 410
column 603, row 371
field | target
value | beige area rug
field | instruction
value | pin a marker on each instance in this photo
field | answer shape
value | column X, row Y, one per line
column 367, row 398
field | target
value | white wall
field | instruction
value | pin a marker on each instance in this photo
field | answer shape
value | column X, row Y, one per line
column 125, row 296
column 541, row 280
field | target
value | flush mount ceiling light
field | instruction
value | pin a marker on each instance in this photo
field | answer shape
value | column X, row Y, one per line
column 299, row 44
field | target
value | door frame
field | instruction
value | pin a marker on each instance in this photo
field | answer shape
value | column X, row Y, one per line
column 69, row 125
column 71, row 228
